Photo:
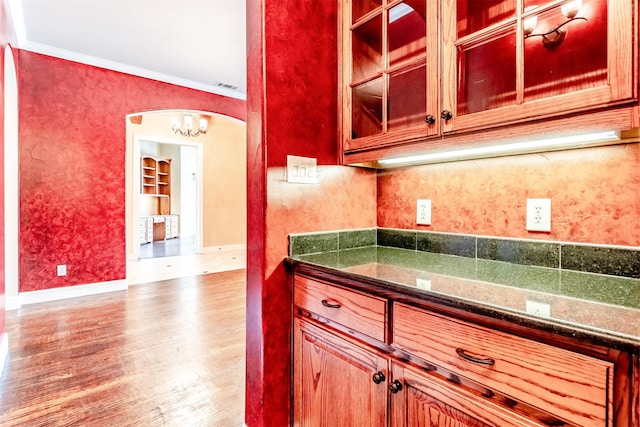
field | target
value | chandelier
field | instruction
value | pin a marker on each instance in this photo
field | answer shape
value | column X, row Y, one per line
column 184, row 124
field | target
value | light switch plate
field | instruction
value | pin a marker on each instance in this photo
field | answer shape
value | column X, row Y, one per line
column 302, row 169
column 539, row 215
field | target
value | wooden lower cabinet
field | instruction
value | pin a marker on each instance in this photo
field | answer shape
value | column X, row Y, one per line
column 334, row 381
column 339, row 382
column 426, row 399
column 432, row 370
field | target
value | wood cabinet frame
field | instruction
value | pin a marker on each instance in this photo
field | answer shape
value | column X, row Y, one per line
column 623, row 408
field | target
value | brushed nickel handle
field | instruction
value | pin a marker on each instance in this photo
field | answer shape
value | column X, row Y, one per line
column 479, row 360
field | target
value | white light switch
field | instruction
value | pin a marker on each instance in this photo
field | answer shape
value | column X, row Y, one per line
column 302, row 169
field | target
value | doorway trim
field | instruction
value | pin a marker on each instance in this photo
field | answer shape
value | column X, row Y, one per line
column 133, row 234
column 11, row 183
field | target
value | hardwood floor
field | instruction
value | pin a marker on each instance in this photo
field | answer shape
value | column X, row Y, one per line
column 168, row 353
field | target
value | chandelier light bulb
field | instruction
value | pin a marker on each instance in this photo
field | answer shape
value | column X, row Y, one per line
column 184, row 124
column 571, row 9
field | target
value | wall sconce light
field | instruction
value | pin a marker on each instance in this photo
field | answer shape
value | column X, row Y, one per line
column 184, row 124
column 556, row 35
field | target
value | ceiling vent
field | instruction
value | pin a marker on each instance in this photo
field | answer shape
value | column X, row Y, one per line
column 226, row 86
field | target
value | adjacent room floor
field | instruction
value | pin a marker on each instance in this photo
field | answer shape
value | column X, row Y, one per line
column 184, row 245
column 170, row 267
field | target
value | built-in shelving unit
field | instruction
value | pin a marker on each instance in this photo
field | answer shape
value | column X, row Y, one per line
column 155, row 176
column 155, row 181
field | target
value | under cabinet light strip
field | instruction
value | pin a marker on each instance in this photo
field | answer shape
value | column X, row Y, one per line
column 574, row 141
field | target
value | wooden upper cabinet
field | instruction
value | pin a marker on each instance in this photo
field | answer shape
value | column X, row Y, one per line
column 390, row 71
column 416, row 70
column 505, row 62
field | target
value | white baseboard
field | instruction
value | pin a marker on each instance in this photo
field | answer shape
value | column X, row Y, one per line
column 4, row 351
column 240, row 246
column 54, row 294
column 12, row 303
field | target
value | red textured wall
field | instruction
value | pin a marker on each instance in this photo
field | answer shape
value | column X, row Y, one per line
column 594, row 195
column 292, row 109
column 72, row 164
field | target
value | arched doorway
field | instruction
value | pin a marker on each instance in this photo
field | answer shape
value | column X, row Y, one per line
column 220, row 178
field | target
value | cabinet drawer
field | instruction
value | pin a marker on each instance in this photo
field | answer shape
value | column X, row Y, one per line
column 572, row 386
column 358, row 312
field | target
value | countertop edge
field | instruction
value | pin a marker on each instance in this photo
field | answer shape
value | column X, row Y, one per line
column 404, row 294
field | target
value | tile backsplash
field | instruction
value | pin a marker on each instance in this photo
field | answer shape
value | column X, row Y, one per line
column 609, row 260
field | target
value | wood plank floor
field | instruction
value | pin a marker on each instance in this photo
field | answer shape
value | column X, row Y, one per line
column 168, row 353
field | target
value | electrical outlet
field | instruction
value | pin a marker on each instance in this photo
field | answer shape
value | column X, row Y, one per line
column 539, row 215
column 423, row 212
column 62, row 270
column 424, row 284
column 537, row 308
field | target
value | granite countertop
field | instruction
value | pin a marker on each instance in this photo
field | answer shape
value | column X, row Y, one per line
column 580, row 302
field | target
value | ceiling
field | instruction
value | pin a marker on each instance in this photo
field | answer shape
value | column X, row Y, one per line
column 194, row 43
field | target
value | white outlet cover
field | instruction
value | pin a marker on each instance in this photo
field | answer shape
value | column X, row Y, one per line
column 423, row 212
column 539, row 215
column 541, row 309
column 62, row 270
column 424, row 284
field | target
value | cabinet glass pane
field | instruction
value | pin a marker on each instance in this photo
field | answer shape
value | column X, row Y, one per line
column 487, row 75
column 407, row 98
column 367, row 49
column 407, row 31
column 474, row 15
column 359, row 8
column 578, row 62
column 366, row 117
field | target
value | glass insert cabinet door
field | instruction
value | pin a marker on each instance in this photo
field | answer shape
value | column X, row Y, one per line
column 510, row 60
column 393, row 79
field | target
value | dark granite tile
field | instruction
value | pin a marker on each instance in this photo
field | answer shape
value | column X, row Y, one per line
column 328, row 259
column 402, row 239
column 602, row 260
column 357, row 238
column 528, row 277
column 607, row 289
column 357, row 256
column 449, row 244
column 301, row 244
column 541, row 254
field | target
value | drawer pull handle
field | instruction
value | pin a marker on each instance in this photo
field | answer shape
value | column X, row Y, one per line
column 395, row 386
column 330, row 305
column 378, row 377
column 482, row 361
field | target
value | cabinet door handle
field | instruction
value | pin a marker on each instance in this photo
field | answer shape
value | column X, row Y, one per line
column 330, row 305
column 395, row 386
column 378, row 377
column 482, row 361
column 446, row 115
column 430, row 119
